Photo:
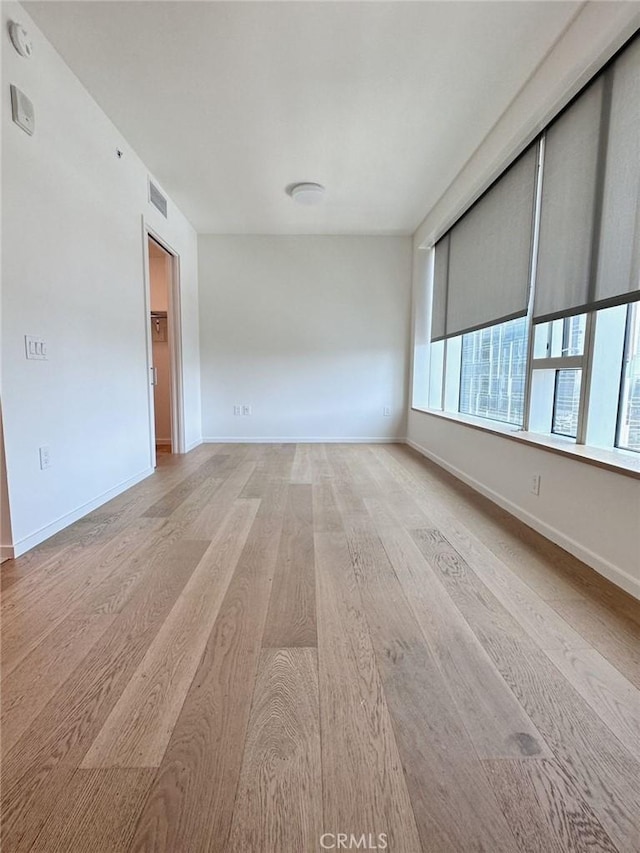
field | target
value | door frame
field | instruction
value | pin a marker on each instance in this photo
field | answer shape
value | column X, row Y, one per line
column 174, row 338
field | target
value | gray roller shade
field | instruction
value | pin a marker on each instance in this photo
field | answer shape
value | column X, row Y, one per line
column 440, row 278
column 618, row 260
column 589, row 246
column 490, row 252
column 567, row 212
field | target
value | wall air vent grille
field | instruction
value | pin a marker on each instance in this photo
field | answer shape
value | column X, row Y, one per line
column 157, row 199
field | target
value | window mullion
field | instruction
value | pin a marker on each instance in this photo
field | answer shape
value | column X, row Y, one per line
column 444, row 374
column 532, row 287
column 585, row 386
column 565, row 362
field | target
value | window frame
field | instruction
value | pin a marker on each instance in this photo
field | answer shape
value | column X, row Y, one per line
column 631, row 307
column 604, row 360
column 583, row 362
column 515, row 425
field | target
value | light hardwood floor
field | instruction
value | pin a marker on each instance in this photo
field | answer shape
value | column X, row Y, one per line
column 264, row 643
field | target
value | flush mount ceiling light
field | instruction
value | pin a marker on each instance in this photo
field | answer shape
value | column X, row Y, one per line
column 306, row 193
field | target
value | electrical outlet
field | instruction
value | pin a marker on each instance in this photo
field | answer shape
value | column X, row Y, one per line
column 535, row 484
column 45, row 456
column 246, row 410
column 237, row 410
column 386, row 411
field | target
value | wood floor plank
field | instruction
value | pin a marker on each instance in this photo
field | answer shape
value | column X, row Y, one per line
column 614, row 699
column 544, row 810
column 42, row 762
column 138, row 728
column 179, row 525
column 96, row 812
column 494, row 719
column 218, row 467
column 549, row 575
column 548, row 570
column 321, row 471
column 27, row 689
column 278, row 806
column 291, row 618
column 29, row 617
column 39, row 588
column 409, row 511
column 43, row 561
column 424, row 714
column 95, row 529
column 282, row 462
column 169, row 473
column 624, row 658
column 206, row 524
column 106, row 522
column 541, row 621
column 190, row 804
column 538, row 618
column 261, row 480
column 364, row 786
column 301, row 470
column 274, row 464
column 360, row 479
column 326, row 516
column 615, row 636
column 120, row 584
column 605, row 774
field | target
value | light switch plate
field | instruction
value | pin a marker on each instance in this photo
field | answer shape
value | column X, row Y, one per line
column 22, row 111
column 45, row 457
column 35, row 348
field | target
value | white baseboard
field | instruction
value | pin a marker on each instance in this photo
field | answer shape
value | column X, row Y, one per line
column 29, row 542
column 193, row 445
column 303, row 439
column 601, row 565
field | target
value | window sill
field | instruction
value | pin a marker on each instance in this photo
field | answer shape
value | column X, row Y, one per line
column 620, row 461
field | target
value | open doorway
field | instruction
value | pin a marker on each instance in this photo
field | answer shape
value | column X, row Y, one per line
column 164, row 348
column 160, row 263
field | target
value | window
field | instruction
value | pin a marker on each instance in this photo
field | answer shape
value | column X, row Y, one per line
column 629, row 414
column 493, row 372
column 558, row 350
column 562, row 338
column 573, row 329
column 536, row 292
column 566, row 403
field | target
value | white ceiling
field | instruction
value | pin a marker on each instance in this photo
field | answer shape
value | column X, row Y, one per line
column 228, row 102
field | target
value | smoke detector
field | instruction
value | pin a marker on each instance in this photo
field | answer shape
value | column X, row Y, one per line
column 306, row 193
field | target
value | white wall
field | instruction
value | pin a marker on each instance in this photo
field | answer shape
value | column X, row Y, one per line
column 589, row 511
column 311, row 332
column 6, row 549
column 72, row 269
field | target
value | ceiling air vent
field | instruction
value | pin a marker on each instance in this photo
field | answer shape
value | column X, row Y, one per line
column 157, row 199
